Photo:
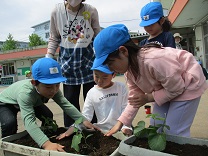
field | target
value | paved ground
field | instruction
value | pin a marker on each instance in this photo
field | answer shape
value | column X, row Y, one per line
column 199, row 128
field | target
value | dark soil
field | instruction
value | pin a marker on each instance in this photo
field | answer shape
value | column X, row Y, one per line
column 100, row 145
column 176, row 149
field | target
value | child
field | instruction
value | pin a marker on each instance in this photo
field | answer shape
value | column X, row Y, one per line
column 28, row 74
column 156, row 25
column 178, row 39
column 204, row 70
column 29, row 96
column 108, row 99
column 169, row 77
column 74, row 25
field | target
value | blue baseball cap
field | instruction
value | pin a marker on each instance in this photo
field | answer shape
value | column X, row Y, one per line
column 47, row 71
column 103, row 68
column 151, row 13
column 108, row 40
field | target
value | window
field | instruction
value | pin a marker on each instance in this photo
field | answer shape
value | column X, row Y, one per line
column 46, row 27
column 8, row 68
column 47, row 35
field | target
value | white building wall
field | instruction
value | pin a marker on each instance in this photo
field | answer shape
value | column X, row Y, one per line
column 42, row 30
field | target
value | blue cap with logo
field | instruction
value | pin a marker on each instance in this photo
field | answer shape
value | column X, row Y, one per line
column 151, row 13
column 103, row 68
column 47, row 71
column 109, row 40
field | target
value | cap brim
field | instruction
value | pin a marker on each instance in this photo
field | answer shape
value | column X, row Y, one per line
column 53, row 80
column 102, row 69
column 148, row 22
column 99, row 61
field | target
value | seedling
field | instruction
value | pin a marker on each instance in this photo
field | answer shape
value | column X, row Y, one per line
column 50, row 125
column 155, row 133
column 76, row 140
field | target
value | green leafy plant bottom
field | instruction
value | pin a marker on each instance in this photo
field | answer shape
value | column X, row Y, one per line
column 155, row 133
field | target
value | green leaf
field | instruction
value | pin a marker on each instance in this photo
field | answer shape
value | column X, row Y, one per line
column 162, row 119
column 152, row 116
column 140, row 126
column 76, row 140
column 157, row 141
column 152, row 131
column 149, row 115
column 76, row 129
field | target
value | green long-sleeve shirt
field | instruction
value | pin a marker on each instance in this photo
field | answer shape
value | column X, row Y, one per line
column 24, row 94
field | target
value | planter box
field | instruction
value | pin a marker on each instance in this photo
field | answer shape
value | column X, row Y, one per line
column 130, row 150
column 11, row 149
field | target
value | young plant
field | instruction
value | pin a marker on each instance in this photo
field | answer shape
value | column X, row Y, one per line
column 49, row 125
column 77, row 138
column 155, row 133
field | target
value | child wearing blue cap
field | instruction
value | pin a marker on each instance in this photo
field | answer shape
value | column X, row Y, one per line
column 108, row 99
column 169, row 78
column 158, row 26
column 29, row 96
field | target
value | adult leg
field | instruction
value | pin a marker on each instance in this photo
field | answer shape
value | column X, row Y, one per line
column 41, row 111
column 180, row 116
column 71, row 92
column 86, row 88
column 8, row 119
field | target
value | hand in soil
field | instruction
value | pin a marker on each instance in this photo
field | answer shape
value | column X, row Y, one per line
column 89, row 125
column 115, row 129
column 48, row 145
column 69, row 132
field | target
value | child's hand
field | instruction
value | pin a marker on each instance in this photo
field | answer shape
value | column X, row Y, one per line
column 127, row 132
column 90, row 126
column 69, row 132
column 52, row 146
column 141, row 99
column 115, row 129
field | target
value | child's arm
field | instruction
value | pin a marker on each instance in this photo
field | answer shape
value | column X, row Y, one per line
column 69, row 132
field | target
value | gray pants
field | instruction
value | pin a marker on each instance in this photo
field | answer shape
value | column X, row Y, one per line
column 180, row 115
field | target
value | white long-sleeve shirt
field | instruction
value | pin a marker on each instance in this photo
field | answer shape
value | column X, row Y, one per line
column 108, row 104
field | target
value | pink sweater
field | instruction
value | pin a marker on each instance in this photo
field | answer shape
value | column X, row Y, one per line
column 169, row 74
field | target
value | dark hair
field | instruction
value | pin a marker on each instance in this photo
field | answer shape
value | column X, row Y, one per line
column 37, row 82
column 133, row 51
column 166, row 26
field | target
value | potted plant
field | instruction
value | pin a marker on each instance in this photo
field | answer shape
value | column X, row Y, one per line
column 30, row 148
column 154, row 141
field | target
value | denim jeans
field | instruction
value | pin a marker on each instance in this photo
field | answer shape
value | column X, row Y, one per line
column 8, row 117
